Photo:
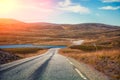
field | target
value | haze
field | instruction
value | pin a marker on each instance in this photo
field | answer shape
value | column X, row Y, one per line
column 62, row 11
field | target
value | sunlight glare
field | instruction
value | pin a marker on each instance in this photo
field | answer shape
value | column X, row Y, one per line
column 7, row 6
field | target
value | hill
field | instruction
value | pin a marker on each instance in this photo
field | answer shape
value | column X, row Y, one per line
column 10, row 21
column 7, row 24
column 90, row 26
column 100, row 49
column 6, row 57
column 43, row 25
column 18, row 32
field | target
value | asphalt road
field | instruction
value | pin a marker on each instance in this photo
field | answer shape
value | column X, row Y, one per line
column 48, row 66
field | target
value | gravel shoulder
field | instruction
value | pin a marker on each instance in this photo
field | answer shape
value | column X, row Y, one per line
column 90, row 72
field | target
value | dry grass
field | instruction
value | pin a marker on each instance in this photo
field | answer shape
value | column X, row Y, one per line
column 52, row 34
column 25, row 52
column 32, row 54
column 89, row 48
column 56, row 43
column 106, row 61
column 22, row 50
column 12, row 54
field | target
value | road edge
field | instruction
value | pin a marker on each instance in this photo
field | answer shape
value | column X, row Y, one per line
column 88, row 71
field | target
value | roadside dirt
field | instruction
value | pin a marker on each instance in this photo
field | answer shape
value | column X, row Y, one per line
column 87, row 70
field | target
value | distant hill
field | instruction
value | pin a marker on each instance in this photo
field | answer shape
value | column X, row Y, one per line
column 88, row 26
column 7, row 24
column 10, row 21
column 14, row 31
column 81, row 27
column 41, row 25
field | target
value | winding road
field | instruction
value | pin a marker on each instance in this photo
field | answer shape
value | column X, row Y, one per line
column 48, row 66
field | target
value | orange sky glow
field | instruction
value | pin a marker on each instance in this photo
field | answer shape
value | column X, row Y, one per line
column 31, row 9
column 62, row 11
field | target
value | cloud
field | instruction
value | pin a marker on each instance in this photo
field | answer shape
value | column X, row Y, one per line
column 110, row 8
column 67, row 5
column 110, row 1
column 97, row 14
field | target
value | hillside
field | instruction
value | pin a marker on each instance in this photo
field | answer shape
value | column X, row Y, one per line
column 103, row 57
column 90, row 27
column 40, row 32
column 6, row 57
column 8, row 25
column 86, row 26
column 10, row 21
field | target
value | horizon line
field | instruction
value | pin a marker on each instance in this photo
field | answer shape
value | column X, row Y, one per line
column 59, row 23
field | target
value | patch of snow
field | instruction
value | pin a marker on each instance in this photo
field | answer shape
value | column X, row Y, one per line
column 79, row 42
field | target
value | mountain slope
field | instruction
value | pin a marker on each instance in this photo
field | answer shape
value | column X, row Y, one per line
column 20, row 32
column 90, row 27
column 41, row 25
column 10, row 21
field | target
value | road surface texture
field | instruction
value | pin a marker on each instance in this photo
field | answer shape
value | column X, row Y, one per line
column 48, row 66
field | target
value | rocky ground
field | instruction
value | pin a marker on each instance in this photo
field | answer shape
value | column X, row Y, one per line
column 6, row 57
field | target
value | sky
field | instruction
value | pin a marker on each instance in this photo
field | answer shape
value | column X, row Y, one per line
column 62, row 11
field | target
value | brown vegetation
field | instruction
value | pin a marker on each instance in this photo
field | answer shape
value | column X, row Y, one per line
column 17, row 32
column 12, row 54
column 106, row 61
column 101, row 41
column 6, row 57
column 103, row 54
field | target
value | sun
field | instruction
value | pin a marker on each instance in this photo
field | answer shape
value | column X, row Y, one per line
column 7, row 6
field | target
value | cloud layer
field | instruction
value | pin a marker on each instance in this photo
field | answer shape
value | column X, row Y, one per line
column 110, row 8
column 111, row 0
column 67, row 5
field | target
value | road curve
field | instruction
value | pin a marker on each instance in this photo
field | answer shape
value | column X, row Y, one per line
column 48, row 66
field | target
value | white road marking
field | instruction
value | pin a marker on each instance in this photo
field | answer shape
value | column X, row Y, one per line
column 67, row 59
column 70, row 62
column 80, row 74
column 77, row 70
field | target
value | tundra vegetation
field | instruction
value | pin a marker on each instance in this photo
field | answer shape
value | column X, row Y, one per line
column 101, row 48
